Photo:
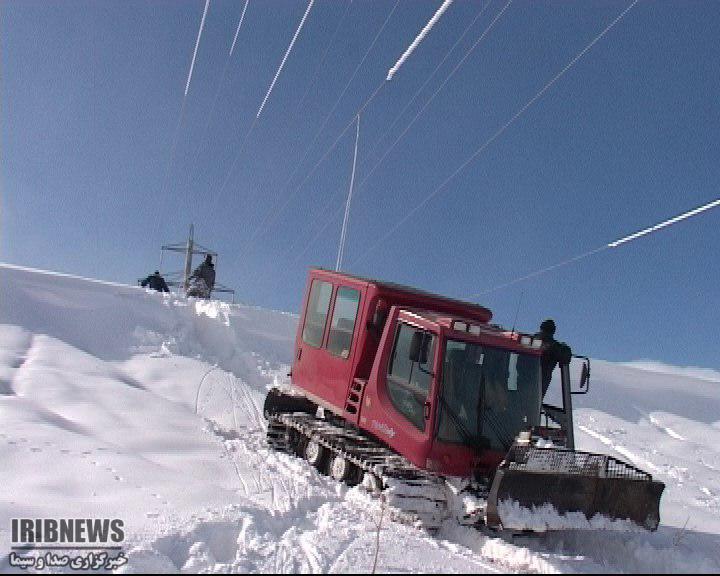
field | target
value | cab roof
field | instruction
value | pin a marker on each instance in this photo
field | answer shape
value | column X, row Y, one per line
column 475, row 311
column 469, row 329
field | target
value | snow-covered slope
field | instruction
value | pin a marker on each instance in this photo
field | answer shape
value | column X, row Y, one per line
column 118, row 402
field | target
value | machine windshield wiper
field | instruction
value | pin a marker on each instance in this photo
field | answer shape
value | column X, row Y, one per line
column 470, row 439
column 486, row 414
column 502, row 433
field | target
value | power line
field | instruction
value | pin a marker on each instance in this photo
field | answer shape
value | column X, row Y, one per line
column 237, row 31
column 609, row 245
column 173, row 147
column 272, row 215
column 181, row 116
column 219, row 89
column 287, row 53
column 267, row 95
column 329, row 221
column 437, row 91
column 341, row 247
column 315, row 238
column 407, row 128
column 496, row 135
column 664, row 224
column 432, row 75
column 243, row 142
column 197, row 43
column 265, row 224
column 419, row 38
column 542, row 271
column 322, row 59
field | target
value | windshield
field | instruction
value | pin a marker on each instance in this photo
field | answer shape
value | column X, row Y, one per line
column 488, row 395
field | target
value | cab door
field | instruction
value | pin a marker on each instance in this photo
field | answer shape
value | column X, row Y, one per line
column 404, row 411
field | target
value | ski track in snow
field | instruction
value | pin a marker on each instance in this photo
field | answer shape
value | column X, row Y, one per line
column 102, row 415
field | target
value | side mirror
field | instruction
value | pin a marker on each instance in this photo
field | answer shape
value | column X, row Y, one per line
column 584, row 384
column 585, row 376
column 419, row 347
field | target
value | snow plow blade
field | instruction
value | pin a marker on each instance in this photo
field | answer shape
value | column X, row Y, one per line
column 543, row 489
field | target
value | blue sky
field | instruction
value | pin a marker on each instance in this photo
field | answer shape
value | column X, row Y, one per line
column 92, row 92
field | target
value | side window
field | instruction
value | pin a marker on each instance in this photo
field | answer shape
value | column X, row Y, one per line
column 408, row 383
column 316, row 314
column 343, row 322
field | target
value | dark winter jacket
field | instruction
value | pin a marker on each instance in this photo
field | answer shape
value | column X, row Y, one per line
column 206, row 271
column 156, row 282
column 554, row 352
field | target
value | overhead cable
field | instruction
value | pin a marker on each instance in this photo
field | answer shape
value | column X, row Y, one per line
column 495, row 136
column 609, row 245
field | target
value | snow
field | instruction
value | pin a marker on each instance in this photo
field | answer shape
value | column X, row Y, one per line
column 124, row 403
column 662, row 368
column 546, row 517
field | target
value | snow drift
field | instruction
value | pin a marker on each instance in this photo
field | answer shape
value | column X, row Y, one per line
column 119, row 402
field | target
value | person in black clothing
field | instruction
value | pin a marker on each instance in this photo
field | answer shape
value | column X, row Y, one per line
column 202, row 280
column 156, row 282
column 547, row 331
column 554, row 352
column 206, row 271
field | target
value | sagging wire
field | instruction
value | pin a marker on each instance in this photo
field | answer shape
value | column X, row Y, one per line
column 609, row 245
column 420, row 112
column 275, row 212
column 495, row 136
column 343, row 233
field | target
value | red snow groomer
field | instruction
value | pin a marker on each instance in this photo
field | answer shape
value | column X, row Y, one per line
column 420, row 397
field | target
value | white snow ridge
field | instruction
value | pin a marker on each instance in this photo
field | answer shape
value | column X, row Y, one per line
column 116, row 402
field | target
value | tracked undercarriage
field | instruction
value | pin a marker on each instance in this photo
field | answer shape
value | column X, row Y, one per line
column 528, row 477
column 444, row 414
column 412, row 495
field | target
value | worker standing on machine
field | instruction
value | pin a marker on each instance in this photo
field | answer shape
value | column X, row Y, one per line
column 554, row 352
